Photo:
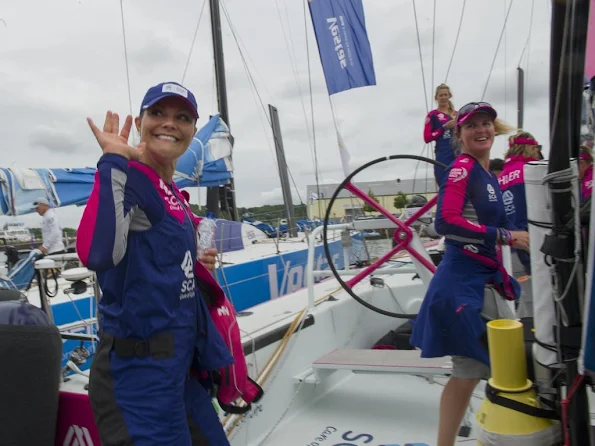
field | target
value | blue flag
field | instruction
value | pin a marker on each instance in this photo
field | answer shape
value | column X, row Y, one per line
column 340, row 29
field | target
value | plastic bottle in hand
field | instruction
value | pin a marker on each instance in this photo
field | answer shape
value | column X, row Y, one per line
column 206, row 233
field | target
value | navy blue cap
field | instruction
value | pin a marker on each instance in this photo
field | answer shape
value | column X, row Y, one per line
column 166, row 89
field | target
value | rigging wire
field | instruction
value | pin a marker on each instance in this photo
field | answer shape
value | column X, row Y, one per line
column 316, row 171
column 421, row 61
column 204, row 2
column 127, row 69
column 253, row 84
column 433, row 43
column 497, row 47
column 456, row 41
column 526, row 47
column 290, row 51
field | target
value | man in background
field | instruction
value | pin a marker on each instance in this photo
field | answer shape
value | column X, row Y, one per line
column 51, row 232
column 496, row 165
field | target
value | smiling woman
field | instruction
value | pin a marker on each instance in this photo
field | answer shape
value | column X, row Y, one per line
column 138, row 233
column 471, row 215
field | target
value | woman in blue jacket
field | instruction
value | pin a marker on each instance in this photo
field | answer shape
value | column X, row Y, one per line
column 470, row 214
column 438, row 127
column 137, row 233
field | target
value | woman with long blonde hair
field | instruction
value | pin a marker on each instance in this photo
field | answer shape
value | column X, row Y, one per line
column 438, row 127
column 470, row 214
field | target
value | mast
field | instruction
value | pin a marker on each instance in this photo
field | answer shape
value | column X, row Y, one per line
column 568, row 46
column 226, row 194
column 282, row 163
column 520, row 98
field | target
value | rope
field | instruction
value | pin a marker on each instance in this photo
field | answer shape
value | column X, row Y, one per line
column 292, row 58
column 316, row 172
column 193, row 40
column 253, row 84
column 456, row 41
column 126, row 60
column 433, row 42
column 497, row 48
column 526, row 47
column 421, row 61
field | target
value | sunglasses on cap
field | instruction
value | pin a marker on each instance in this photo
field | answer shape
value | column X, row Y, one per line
column 468, row 109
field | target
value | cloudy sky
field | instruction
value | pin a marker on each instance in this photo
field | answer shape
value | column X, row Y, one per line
column 63, row 61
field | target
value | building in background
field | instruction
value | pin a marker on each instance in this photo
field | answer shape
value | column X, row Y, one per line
column 348, row 207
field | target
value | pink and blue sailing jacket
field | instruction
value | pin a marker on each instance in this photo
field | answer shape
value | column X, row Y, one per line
column 469, row 212
column 434, row 130
column 138, row 234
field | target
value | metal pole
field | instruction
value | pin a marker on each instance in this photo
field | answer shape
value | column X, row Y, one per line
column 566, row 80
column 213, row 192
column 520, row 97
column 282, row 163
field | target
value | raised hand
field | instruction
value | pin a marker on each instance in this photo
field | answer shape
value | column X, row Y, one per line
column 112, row 142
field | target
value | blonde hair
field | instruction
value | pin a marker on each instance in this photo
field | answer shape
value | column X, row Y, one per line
column 586, row 150
column 451, row 107
column 526, row 150
column 500, row 128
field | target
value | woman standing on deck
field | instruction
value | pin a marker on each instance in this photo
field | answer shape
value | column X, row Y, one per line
column 439, row 127
column 470, row 214
column 138, row 234
column 522, row 148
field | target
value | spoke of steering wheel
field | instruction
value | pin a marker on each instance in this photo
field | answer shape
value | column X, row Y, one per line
column 379, row 262
column 403, row 230
column 354, row 190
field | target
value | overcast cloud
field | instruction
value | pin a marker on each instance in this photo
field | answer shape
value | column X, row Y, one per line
column 66, row 62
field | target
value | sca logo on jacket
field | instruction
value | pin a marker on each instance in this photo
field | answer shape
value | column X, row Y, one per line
column 188, row 285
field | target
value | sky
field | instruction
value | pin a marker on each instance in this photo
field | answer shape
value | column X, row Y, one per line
column 67, row 61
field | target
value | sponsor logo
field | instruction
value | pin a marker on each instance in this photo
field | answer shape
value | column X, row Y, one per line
column 457, row 174
column 223, row 311
column 188, row 285
column 508, row 199
column 464, row 160
column 77, row 436
column 509, row 177
column 172, row 202
column 334, row 29
column 173, row 88
column 492, row 193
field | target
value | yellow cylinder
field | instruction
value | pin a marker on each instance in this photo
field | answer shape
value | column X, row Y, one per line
column 507, row 356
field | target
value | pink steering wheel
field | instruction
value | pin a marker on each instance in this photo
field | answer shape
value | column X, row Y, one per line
column 402, row 235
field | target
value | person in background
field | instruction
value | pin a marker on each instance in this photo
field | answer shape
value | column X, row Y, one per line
column 139, row 235
column 470, row 214
column 51, row 232
column 585, row 171
column 496, row 165
column 522, row 148
column 438, row 127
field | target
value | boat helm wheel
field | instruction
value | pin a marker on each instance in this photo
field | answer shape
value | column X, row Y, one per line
column 402, row 236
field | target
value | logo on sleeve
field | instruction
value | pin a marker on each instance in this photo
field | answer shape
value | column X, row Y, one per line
column 188, row 285
column 457, row 174
column 492, row 193
column 508, row 199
